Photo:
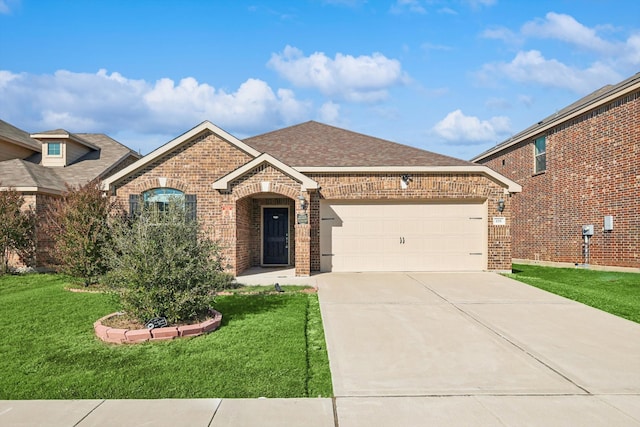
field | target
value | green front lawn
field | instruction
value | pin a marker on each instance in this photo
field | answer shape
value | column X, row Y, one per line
column 269, row 345
column 613, row 292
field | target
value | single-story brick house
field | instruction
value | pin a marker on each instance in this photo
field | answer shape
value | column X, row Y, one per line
column 578, row 167
column 321, row 198
column 40, row 166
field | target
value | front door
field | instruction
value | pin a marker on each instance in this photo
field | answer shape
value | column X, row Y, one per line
column 275, row 236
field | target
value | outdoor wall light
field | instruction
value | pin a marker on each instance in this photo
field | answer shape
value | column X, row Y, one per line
column 405, row 180
column 303, row 202
column 500, row 205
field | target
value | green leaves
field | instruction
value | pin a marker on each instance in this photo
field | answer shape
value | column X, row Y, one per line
column 78, row 224
column 165, row 265
column 17, row 229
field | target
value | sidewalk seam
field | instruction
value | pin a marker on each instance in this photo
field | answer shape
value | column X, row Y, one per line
column 90, row 412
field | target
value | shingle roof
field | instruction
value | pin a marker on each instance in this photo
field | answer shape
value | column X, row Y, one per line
column 314, row 144
column 23, row 173
column 12, row 133
column 95, row 164
column 62, row 133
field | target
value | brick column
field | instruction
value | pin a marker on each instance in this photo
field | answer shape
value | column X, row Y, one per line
column 303, row 250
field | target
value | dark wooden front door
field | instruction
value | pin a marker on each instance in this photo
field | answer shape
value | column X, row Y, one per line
column 275, row 236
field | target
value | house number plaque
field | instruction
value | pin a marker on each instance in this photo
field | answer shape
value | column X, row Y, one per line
column 303, row 218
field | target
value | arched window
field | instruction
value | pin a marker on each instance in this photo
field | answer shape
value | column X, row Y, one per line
column 160, row 198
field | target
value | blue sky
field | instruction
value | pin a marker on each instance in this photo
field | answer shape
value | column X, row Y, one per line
column 454, row 77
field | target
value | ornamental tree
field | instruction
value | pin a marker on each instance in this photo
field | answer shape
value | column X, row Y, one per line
column 17, row 229
column 78, row 224
column 163, row 265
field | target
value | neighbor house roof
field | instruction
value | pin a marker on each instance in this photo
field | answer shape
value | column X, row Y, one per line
column 594, row 100
column 24, row 175
column 17, row 136
column 30, row 175
column 63, row 134
column 314, row 144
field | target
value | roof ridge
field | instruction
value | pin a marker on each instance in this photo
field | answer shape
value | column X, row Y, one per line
column 112, row 140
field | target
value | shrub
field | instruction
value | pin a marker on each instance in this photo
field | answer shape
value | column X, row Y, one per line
column 17, row 229
column 164, row 265
column 78, row 225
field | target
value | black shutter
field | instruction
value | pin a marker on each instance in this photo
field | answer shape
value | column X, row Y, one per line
column 191, row 207
column 134, row 205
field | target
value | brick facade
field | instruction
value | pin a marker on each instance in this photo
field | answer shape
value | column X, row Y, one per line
column 233, row 216
column 592, row 171
column 424, row 187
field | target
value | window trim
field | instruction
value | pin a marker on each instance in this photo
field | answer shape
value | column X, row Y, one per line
column 137, row 202
column 539, row 155
column 51, row 144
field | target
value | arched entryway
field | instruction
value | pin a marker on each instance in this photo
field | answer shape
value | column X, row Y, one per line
column 265, row 231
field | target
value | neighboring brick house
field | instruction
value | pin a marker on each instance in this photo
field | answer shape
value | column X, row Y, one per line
column 578, row 167
column 40, row 166
column 322, row 198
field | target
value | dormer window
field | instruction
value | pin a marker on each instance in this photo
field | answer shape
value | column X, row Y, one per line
column 54, row 149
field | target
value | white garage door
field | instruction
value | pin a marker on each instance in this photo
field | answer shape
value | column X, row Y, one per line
column 371, row 236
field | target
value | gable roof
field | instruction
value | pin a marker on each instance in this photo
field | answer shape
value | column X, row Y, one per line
column 96, row 164
column 63, row 134
column 306, row 182
column 30, row 175
column 10, row 133
column 177, row 142
column 594, row 100
column 314, row 144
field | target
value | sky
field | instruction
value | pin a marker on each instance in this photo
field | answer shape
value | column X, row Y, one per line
column 454, row 77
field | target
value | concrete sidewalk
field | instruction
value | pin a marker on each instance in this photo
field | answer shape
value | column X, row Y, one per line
column 413, row 349
column 168, row 412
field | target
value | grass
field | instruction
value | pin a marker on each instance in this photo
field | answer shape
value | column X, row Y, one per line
column 269, row 345
column 613, row 292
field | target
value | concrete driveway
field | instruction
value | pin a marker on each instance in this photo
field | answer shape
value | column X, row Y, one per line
column 474, row 349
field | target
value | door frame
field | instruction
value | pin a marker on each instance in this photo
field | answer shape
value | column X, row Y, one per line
column 262, row 208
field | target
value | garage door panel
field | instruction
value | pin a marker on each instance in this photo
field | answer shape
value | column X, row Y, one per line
column 402, row 237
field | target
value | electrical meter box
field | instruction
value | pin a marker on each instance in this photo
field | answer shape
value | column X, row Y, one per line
column 587, row 230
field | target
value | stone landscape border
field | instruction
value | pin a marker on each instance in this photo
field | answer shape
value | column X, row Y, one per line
column 132, row 336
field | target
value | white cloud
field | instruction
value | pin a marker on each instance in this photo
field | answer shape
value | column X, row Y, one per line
column 497, row 103
column 602, row 61
column 532, row 67
column 631, row 54
column 447, row 11
column 458, row 128
column 329, row 112
column 566, row 28
column 480, row 3
column 7, row 5
column 431, row 46
column 501, row 33
column 526, row 100
column 103, row 102
column 356, row 79
column 412, row 6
